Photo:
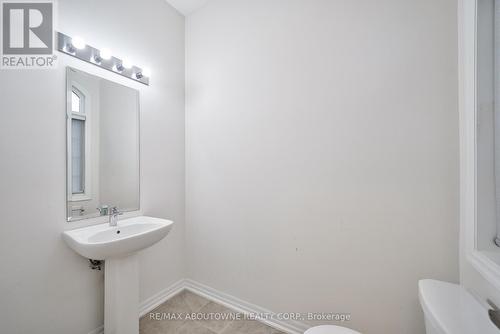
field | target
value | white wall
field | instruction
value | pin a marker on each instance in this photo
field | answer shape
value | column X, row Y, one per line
column 44, row 286
column 322, row 154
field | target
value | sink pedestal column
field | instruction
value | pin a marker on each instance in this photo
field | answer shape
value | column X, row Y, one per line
column 121, row 295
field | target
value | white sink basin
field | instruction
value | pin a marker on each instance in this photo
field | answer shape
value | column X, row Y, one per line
column 101, row 242
column 118, row 246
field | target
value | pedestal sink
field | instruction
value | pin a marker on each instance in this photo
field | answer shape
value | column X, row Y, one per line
column 118, row 246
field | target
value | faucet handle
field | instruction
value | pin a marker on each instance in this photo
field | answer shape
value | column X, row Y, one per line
column 103, row 210
column 114, row 211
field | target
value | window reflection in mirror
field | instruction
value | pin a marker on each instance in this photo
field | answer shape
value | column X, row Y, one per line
column 103, row 146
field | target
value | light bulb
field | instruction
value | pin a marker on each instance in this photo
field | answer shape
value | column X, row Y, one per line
column 105, row 54
column 78, row 43
column 146, row 72
column 127, row 63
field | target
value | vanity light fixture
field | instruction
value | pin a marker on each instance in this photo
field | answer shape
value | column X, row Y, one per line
column 103, row 58
column 69, row 48
column 145, row 73
column 119, row 67
column 97, row 59
column 104, row 54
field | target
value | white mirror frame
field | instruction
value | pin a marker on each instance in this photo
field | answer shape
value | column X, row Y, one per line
column 467, row 23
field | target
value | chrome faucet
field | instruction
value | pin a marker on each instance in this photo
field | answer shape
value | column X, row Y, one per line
column 494, row 314
column 113, row 216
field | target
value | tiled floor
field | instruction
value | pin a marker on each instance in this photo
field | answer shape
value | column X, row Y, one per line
column 163, row 320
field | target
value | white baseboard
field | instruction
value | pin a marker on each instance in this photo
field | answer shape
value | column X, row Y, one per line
column 153, row 302
column 236, row 304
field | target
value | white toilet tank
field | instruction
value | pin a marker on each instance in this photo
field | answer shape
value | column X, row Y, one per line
column 450, row 309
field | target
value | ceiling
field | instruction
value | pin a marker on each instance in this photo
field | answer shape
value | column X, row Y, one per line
column 186, row 7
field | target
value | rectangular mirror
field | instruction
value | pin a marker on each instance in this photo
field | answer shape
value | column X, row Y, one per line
column 102, row 146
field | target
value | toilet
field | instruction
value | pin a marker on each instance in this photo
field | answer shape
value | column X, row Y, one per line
column 450, row 309
column 330, row 329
